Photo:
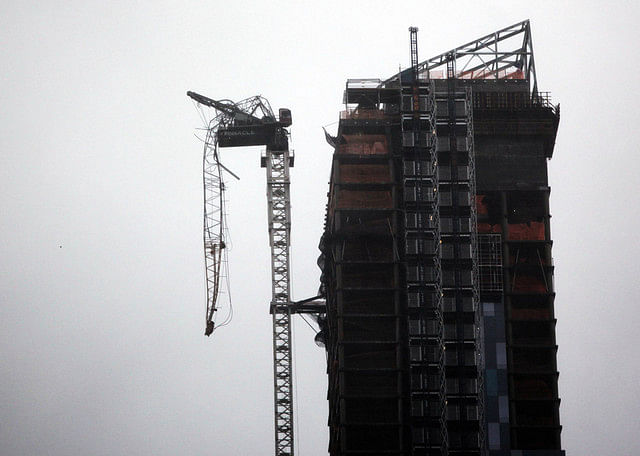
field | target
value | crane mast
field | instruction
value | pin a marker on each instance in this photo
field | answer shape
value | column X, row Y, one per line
column 277, row 163
column 236, row 125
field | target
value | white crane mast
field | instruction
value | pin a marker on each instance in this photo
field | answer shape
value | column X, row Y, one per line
column 277, row 163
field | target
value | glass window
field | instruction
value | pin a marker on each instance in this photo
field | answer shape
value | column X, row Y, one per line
column 491, row 380
column 494, row 436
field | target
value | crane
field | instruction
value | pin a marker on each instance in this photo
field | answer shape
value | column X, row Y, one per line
column 251, row 122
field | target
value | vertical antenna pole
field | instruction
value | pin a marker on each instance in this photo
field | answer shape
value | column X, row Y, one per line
column 413, row 36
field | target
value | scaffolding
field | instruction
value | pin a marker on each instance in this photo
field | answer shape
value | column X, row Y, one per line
column 490, row 262
column 423, row 269
column 459, row 257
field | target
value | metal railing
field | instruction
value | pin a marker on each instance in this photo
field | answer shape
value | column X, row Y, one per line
column 512, row 100
column 360, row 113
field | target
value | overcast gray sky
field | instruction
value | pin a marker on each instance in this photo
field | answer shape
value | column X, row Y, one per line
column 101, row 270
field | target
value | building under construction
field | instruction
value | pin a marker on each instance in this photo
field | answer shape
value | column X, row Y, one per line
column 436, row 258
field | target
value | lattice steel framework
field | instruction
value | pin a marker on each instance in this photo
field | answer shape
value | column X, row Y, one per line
column 214, row 230
column 463, row 329
column 422, row 254
column 503, row 54
column 256, row 112
column 479, row 330
column 279, row 212
column 214, row 225
column 490, row 262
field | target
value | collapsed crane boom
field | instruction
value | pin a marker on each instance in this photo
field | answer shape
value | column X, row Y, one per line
column 248, row 123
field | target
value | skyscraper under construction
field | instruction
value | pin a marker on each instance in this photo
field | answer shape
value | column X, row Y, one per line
column 436, row 258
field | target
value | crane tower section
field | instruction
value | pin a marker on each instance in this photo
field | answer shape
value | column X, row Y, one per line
column 277, row 163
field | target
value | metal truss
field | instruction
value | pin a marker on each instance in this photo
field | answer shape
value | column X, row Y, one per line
column 228, row 111
column 504, row 54
column 214, row 226
column 214, row 231
column 279, row 207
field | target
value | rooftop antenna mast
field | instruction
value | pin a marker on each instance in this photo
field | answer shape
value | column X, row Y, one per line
column 413, row 37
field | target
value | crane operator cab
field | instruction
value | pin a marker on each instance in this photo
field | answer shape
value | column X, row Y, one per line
column 285, row 117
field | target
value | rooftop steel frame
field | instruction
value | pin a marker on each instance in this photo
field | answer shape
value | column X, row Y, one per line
column 504, row 54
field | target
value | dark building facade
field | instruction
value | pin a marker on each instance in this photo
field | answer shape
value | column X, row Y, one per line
column 436, row 259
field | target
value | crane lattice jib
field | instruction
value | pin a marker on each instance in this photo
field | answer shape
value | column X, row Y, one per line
column 214, row 230
column 251, row 110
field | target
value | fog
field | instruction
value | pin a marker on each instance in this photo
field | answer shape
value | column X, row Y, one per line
column 102, row 274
